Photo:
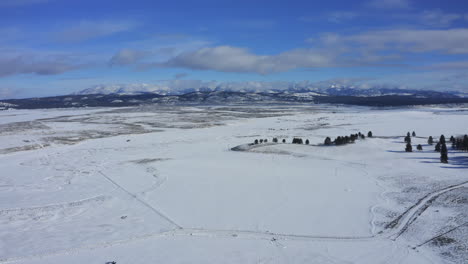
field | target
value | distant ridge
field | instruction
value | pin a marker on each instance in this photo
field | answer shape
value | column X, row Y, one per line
column 120, row 98
column 332, row 90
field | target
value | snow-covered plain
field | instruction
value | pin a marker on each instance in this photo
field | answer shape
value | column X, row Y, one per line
column 161, row 185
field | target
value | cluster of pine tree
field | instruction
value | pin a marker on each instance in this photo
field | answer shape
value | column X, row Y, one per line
column 460, row 143
column 300, row 141
column 257, row 141
column 408, row 147
column 342, row 140
column 441, row 147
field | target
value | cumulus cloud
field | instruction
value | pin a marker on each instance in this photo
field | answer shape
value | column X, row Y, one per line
column 390, row 4
column 127, row 57
column 180, row 75
column 31, row 64
column 12, row 3
column 341, row 16
column 452, row 65
column 451, row 41
column 86, row 30
column 438, row 18
column 235, row 59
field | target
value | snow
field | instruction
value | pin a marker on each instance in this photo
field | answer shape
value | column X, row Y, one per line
column 162, row 185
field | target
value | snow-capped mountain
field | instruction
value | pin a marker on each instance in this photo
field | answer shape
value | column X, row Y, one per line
column 296, row 90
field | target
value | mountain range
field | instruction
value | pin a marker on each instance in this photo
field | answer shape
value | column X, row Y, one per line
column 133, row 96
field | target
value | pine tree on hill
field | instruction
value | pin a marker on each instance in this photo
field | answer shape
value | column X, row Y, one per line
column 437, row 147
column 430, row 140
column 419, row 147
column 408, row 134
column 443, row 158
column 307, row 142
column 369, row 134
column 408, row 148
column 443, row 154
column 414, row 134
column 256, row 142
column 327, row 141
column 442, row 139
column 408, row 139
column 275, row 140
column 284, row 140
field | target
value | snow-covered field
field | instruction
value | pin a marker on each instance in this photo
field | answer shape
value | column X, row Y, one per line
column 162, row 185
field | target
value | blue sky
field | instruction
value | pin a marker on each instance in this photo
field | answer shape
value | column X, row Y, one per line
column 54, row 47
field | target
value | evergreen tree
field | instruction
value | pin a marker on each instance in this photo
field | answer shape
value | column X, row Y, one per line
column 408, row 134
column 408, row 139
column 284, row 140
column 408, row 148
column 362, row 136
column 369, row 134
column 437, row 147
column 261, row 140
column 442, row 139
column 275, row 140
column 430, row 140
column 419, row 147
column 443, row 154
column 307, row 142
column 414, row 134
column 265, row 140
column 452, row 139
column 443, row 158
column 328, row 141
column 256, row 142
column 443, row 149
column 465, row 143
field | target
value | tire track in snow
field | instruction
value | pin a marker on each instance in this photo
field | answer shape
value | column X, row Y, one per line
column 158, row 212
column 402, row 222
column 188, row 232
column 264, row 235
column 51, row 207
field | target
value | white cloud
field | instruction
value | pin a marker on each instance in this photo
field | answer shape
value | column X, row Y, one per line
column 438, row 18
column 452, row 65
column 341, row 16
column 451, row 41
column 180, row 75
column 234, row 59
column 85, row 30
column 13, row 3
column 127, row 57
column 390, row 4
column 22, row 61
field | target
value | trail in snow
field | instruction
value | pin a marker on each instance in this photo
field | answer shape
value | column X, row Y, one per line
column 158, row 212
column 402, row 222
